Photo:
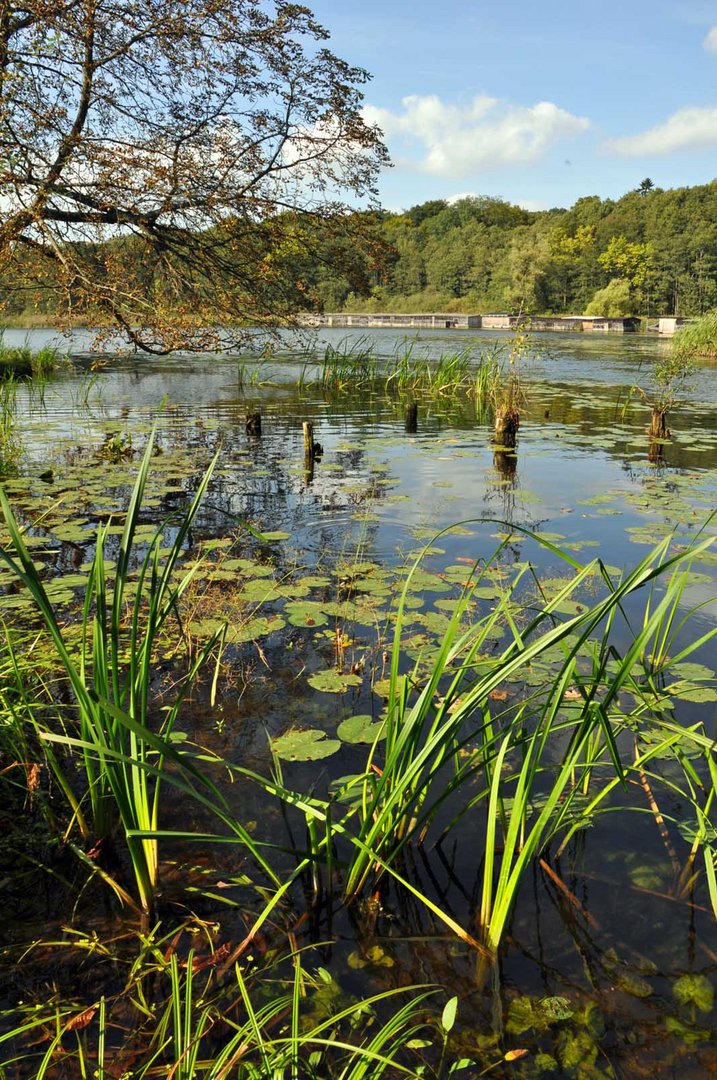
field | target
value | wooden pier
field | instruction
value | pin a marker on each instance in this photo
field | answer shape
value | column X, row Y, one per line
column 460, row 321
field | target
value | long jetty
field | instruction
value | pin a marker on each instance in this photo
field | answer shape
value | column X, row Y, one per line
column 459, row 321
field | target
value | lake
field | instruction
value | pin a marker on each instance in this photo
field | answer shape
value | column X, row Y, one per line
column 608, row 958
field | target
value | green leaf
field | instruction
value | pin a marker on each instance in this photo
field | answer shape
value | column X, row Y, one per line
column 308, row 744
column 448, row 1018
column 333, row 682
column 361, row 729
column 696, row 990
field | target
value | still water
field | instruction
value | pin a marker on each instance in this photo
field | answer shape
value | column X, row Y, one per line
column 603, row 927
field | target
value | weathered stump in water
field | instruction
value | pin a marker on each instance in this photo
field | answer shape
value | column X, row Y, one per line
column 412, row 418
column 309, row 452
column 253, row 423
column 658, row 428
column 506, row 427
column 312, row 450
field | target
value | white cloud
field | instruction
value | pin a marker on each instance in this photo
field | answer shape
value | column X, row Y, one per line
column 689, row 128
column 453, row 199
column 459, row 139
column 710, row 42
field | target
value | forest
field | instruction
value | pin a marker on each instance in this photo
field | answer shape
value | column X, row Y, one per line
column 651, row 252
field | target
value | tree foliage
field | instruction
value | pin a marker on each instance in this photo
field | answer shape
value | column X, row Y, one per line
column 613, row 301
column 482, row 254
column 164, row 162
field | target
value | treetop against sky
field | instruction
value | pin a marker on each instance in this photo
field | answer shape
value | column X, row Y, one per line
column 538, row 103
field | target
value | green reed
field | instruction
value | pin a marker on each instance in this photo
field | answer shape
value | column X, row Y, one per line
column 534, row 771
column 124, row 759
column 22, row 360
column 178, row 1019
column 354, row 365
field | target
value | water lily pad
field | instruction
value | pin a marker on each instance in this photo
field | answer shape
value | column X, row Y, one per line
column 361, row 729
column 305, row 613
column 333, row 682
column 308, row 744
column 259, row 626
column 700, row 694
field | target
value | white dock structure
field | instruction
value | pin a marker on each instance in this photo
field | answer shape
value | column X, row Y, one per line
column 460, row 321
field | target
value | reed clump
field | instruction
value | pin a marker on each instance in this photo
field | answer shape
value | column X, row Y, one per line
column 698, row 338
column 23, row 361
column 354, row 365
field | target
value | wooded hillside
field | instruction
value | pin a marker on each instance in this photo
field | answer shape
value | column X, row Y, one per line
column 651, row 252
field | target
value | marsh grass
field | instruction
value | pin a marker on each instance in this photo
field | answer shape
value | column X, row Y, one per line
column 9, row 440
column 125, row 760
column 354, row 365
column 177, row 1018
column 698, row 338
column 23, row 361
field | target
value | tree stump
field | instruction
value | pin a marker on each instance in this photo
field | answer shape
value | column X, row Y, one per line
column 506, row 427
column 253, row 424
column 658, row 428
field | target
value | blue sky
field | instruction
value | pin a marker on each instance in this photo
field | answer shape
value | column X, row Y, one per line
column 538, row 103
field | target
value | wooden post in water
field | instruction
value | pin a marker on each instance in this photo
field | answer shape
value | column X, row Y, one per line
column 412, row 417
column 308, row 439
column 253, row 423
column 309, row 452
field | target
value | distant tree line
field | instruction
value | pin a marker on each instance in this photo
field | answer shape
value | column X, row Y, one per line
column 651, row 252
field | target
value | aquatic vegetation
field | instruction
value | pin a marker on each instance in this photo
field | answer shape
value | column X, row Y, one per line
column 354, row 365
column 536, row 760
column 23, row 360
column 697, row 338
column 670, row 379
column 9, row 441
column 123, row 757
column 369, row 769
column 350, row 365
column 507, row 394
column 178, row 1016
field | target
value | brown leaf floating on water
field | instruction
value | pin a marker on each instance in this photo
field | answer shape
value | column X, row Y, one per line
column 81, row 1020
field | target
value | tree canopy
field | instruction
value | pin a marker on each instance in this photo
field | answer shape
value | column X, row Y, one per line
column 162, row 160
column 653, row 254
